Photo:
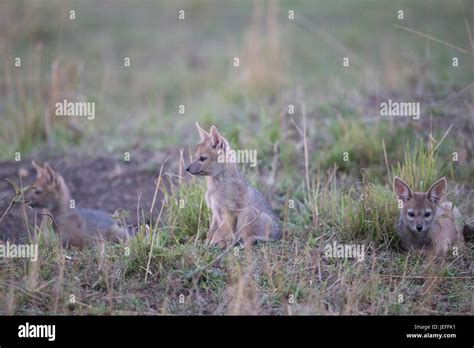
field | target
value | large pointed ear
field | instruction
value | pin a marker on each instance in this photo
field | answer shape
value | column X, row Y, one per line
column 202, row 133
column 436, row 191
column 49, row 174
column 38, row 168
column 401, row 189
column 217, row 140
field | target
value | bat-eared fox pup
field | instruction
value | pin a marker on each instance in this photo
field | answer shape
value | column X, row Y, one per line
column 425, row 222
column 76, row 227
column 239, row 212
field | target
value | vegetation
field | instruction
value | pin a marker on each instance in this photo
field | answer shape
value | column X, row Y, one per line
column 327, row 168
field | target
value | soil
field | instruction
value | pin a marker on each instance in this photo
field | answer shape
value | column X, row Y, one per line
column 105, row 183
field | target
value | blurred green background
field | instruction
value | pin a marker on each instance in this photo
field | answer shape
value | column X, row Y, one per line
column 190, row 62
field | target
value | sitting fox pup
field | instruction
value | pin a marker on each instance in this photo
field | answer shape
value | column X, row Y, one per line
column 76, row 227
column 424, row 222
column 239, row 212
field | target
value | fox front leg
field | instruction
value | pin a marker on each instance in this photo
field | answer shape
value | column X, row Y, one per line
column 212, row 229
column 224, row 235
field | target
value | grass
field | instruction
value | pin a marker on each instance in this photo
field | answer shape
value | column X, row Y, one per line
column 262, row 283
column 420, row 168
column 169, row 269
column 319, row 197
column 374, row 217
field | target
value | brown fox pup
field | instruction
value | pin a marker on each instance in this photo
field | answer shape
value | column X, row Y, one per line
column 239, row 212
column 424, row 222
column 77, row 227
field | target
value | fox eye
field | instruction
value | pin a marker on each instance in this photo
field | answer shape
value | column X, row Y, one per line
column 38, row 192
column 427, row 214
column 411, row 214
column 202, row 158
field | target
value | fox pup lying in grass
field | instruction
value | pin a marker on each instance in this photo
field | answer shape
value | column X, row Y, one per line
column 425, row 222
column 77, row 227
column 239, row 211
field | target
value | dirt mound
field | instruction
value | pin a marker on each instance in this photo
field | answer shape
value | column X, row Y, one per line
column 104, row 183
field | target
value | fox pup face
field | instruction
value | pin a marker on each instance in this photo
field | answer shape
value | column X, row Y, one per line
column 419, row 208
column 206, row 159
column 45, row 191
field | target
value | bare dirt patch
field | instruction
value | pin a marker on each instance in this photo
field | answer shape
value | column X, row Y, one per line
column 103, row 182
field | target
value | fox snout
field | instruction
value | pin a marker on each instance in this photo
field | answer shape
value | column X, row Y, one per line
column 194, row 168
column 32, row 199
column 417, row 226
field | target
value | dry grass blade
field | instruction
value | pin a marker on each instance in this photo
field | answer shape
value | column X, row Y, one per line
column 463, row 50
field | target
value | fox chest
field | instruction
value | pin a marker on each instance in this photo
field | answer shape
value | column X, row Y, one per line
column 224, row 201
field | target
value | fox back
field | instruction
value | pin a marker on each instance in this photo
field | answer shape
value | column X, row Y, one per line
column 82, row 227
column 425, row 222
